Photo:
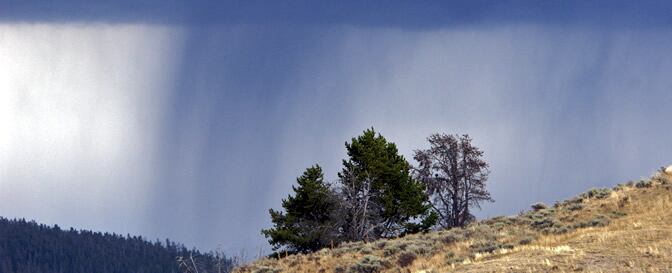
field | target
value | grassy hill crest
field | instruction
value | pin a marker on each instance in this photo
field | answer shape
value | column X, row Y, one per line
column 627, row 228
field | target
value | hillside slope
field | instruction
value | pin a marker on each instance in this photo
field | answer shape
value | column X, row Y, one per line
column 624, row 229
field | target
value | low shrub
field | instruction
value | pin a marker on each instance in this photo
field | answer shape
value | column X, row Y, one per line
column 545, row 213
column 452, row 238
column 485, row 247
column 507, row 246
column 483, row 232
column 618, row 214
column 643, row 184
column 420, row 248
column 575, row 206
column 406, row 259
column 454, row 260
column 368, row 264
column 394, row 247
column 497, row 222
column 663, row 180
column 597, row 193
column 526, row 240
column 581, row 225
column 600, row 221
column 266, row 269
column 619, row 187
column 499, row 225
column 559, row 230
column 543, row 223
column 575, row 200
column 539, row 206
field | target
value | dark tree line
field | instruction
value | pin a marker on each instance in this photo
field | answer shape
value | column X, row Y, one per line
column 28, row 247
column 378, row 194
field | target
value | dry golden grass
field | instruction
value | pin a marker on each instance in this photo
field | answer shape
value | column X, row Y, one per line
column 628, row 229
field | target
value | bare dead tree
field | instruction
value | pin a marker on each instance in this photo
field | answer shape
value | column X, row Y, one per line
column 221, row 264
column 187, row 264
column 455, row 175
column 359, row 210
column 216, row 263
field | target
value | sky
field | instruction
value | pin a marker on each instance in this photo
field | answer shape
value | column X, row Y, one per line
column 188, row 120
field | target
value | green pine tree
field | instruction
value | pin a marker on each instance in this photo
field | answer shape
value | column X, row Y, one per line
column 380, row 197
column 306, row 225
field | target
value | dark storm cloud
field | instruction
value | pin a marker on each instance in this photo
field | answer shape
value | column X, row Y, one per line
column 403, row 14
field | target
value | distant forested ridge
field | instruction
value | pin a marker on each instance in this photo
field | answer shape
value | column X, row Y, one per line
column 28, row 247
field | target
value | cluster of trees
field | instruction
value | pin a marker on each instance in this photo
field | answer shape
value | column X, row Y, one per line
column 378, row 194
column 28, row 247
